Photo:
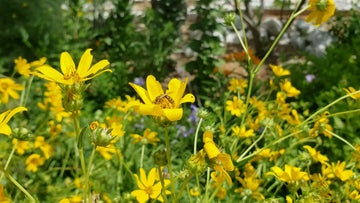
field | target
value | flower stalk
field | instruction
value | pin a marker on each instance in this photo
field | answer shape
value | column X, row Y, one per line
column 169, row 164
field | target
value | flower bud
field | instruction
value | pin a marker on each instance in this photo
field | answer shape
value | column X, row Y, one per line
column 229, row 19
column 100, row 136
column 21, row 133
column 159, row 157
column 203, row 113
column 72, row 96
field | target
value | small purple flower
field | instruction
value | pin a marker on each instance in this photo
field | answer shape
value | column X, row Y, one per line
column 310, row 77
column 139, row 81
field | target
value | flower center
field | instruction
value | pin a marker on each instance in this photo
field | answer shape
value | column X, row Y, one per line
column 148, row 190
column 165, row 101
column 321, row 5
column 4, row 86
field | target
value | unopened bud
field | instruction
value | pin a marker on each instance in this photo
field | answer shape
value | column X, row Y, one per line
column 21, row 133
column 100, row 136
column 159, row 157
column 230, row 19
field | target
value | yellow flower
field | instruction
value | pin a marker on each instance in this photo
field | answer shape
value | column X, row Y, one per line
column 148, row 189
column 54, row 129
column 242, row 132
column 339, row 171
column 291, row 173
column 322, row 10
column 73, row 199
column 24, row 68
column 8, row 88
column 236, row 107
column 214, row 153
column 5, row 117
column 160, row 104
column 105, row 151
column 106, row 198
column 288, row 199
column 350, row 90
column 221, row 191
column 316, row 155
column 354, row 195
column 238, row 85
column 33, row 161
column 44, row 147
column 294, row 119
column 148, row 138
column 279, row 71
column 21, row 146
column 70, row 75
column 78, row 184
column 289, row 89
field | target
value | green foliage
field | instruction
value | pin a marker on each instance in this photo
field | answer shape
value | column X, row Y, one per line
column 207, row 47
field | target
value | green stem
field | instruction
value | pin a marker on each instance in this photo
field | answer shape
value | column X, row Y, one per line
column 215, row 192
column 28, row 90
column 240, row 39
column 169, row 164
column 142, row 156
column 207, row 184
column 188, row 192
column 183, row 187
column 17, row 184
column 80, row 149
column 326, row 107
column 9, row 159
column 87, row 177
column 340, row 138
column 271, row 144
column 196, row 135
column 253, row 144
column 162, row 185
column 293, row 15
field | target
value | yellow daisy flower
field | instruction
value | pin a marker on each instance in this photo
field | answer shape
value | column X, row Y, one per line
column 8, row 88
column 33, row 161
column 242, row 132
column 148, row 189
column 236, row 107
column 148, row 138
column 316, row 155
column 107, row 151
column 279, row 71
column 70, row 75
column 291, row 173
column 5, row 117
column 160, row 104
column 339, row 171
column 322, row 10
column 238, row 84
column 289, row 89
column 21, row 146
column 47, row 149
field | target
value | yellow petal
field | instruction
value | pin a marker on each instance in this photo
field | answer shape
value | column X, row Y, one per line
column 211, row 150
column 173, row 90
column 173, row 114
column 85, row 63
column 143, row 177
column 93, row 76
column 188, row 98
column 141, row 195
column 13, row 112
column 98, row 66
column 150, row 109
column 153, row 87
column 5, row 129
column 67, row 64
column 208, row 137
column 152, row 176
column 225, row 159
column 49, row 73
column 142, row 93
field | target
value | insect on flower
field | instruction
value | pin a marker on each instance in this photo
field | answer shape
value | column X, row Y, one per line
column 164, row 100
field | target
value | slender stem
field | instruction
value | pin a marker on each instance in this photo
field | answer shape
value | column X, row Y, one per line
column 169, row 164
column 293, row 15
column 80, row 150
column 253, row 144
column 162, row 185
column 326, row 107
column 17, row 184
column 65, row 161
column 340, row 138
column 196, row 135
column 9, row 159
column 142, row 156
column 207, row 184
column 240, row 39
column 188, row 192
column 183, row 187
column 28, row 90
column 87, row 177
column 215, row 192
